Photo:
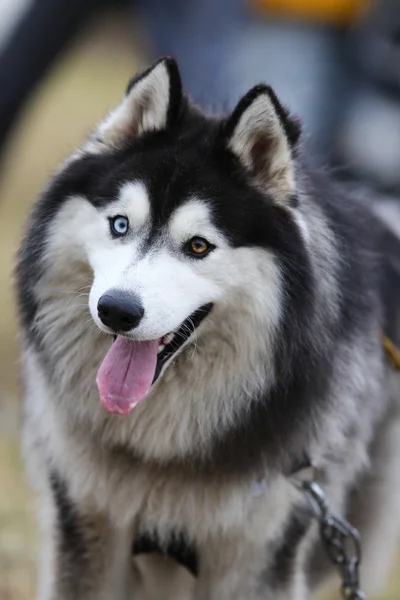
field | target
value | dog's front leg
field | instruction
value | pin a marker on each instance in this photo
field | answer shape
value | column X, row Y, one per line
column 238, row 569
column 84, row 557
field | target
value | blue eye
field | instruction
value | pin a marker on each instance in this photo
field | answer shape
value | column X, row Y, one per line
column 119, row 225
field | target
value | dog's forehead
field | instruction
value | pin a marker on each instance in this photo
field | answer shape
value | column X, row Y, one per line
column 165, row 182
column 162, row 187
column 134, row 200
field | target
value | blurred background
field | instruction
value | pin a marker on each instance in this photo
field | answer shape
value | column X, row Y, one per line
column 65, row 63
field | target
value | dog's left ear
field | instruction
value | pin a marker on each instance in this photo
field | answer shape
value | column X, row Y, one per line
column 152, row 102
column 263, row 136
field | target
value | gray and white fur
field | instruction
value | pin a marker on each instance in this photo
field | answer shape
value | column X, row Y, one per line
column 287, row 365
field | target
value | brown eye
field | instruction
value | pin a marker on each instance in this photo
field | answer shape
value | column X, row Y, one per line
column 198, row 247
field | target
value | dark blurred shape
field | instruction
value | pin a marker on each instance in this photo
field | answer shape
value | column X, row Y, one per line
column 42, row 31
column 369, row 136
column 377, row 46
column 203, row 36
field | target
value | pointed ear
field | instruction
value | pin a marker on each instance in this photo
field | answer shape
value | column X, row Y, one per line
column 263, row 136
column 152, row 102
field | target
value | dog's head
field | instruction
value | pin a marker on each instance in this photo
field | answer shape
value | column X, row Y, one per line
column 184, row 221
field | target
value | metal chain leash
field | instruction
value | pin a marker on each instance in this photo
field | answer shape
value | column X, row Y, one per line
column 341, row 540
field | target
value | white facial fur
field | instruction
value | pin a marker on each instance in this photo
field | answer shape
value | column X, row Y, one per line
column 170, row 285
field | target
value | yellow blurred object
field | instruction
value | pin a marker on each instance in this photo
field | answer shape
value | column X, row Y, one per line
column 334, row 12
column 392, row 352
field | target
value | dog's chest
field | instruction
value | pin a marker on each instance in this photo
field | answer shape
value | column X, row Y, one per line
column 164, row 500
column 159, row 498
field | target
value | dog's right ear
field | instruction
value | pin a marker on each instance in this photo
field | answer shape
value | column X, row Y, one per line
column 152, row 102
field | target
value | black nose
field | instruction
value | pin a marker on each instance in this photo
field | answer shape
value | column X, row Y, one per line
column 119, row 310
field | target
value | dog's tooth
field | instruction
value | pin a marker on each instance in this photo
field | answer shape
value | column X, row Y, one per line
column 168, row 338
column 160, row 348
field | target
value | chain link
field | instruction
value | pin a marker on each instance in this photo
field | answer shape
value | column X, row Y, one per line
column 341, row 540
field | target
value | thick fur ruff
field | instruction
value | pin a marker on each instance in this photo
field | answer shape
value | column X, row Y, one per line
column 287, row 365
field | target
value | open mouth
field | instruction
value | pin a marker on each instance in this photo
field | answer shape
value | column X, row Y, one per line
column 131, row 367
column 172, row 342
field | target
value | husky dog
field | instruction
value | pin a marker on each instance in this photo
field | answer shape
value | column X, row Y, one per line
column 201, row 313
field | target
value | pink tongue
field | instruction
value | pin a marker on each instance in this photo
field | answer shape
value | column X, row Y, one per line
column 126, row 374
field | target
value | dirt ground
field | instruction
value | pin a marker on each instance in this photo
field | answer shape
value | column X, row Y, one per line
column 82, row 87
